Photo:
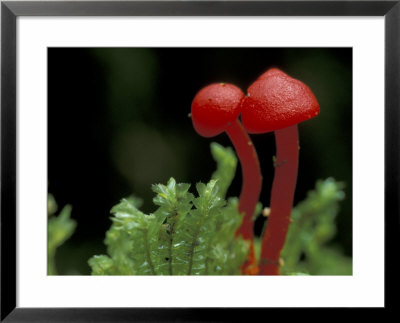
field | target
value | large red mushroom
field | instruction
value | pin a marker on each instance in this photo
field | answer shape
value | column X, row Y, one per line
column 277, row 102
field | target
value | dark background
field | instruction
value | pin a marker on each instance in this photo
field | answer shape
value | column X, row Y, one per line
column 118, row 123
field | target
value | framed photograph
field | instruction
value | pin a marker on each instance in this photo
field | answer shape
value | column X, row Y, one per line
column 165, row 160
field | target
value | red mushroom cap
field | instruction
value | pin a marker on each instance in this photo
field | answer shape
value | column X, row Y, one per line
column 214, row 107
column 272, row 72
column 276, row 101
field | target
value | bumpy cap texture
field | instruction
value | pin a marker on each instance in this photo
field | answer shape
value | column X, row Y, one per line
column 215, row 107
column 276, row 101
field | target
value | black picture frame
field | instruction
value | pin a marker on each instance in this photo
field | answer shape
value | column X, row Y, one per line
column 11, row 10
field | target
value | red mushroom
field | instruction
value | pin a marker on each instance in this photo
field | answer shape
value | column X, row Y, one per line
column 215, row 109
column 277, row 102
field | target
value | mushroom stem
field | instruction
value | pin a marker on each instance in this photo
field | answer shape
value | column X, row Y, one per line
column 251, row 187
column 283, row 187
column 251, row 174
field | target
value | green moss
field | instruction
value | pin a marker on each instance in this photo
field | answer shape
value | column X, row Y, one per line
column 186, row 235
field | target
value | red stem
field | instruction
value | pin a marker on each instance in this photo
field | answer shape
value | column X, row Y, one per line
column 284, row 184
column 251, row 182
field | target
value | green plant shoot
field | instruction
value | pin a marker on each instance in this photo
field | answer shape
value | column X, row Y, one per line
column 186, row 235
column 60, row 229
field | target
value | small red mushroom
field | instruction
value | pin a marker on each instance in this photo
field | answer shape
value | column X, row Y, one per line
column 277, row 102
column 215, row 109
